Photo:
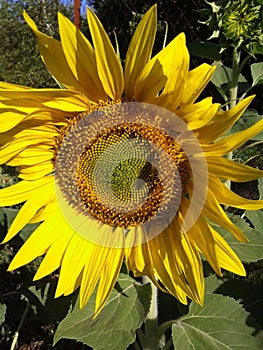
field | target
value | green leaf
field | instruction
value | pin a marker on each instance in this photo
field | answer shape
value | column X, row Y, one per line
column 257, row 73
column 249, row 118
column 115, row 326
column 255, row 48
column 212, row 282
column 205, row 50
column 2, row 313
column 222, row 77
column 249, row 293
column 256, row 217
column 253, row 250
column 219, row 325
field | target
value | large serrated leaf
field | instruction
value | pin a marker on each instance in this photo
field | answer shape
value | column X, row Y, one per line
column 253, row 250
column 115, row 326
column 257, row 73
column 222, row 77
column 256, row 218
column 249, row 293
column 219, row 325
column 249, row 118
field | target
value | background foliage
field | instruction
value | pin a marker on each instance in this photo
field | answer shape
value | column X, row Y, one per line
column 232, row 315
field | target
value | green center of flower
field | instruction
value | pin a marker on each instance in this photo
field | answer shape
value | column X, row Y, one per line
column 126, row 177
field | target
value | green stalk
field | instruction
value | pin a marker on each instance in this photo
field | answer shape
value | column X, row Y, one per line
column 151, row 341
column 233, row 92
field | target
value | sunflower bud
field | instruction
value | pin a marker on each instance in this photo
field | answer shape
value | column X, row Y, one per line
column 237, row 23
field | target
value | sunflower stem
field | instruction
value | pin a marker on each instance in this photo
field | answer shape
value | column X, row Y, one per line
column 151, row 341
column 233, row 92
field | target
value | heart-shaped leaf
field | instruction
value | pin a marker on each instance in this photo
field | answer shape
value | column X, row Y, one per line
column 218, row 325
column 257, row 73
column 115, row 326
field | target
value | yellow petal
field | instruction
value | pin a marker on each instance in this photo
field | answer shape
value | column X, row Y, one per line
column 74, row 260
column 65, row 100
column 36, row 171
column 213, row 211
column 13, row 120
column 54, row 255
column 226, row 169
column 177, row 261
column 39, row 241
column 44, row 213
column 39, row 198
column 166, row 71
column 232, row 142
column 54, row 58
column 8, row 137
column 227, row 197
column 227, row 257
column 93, row 269
column 188, row 260
column 150, row 82
column 50, row 116
column 168, row 277
column 10, row 117
column 31, row 156
column 193, row 271
column 81, row 59
column 13, row 148
column 176, row 72
column 21, row 191
column 28, row 126
column 198, row 114
column 26, row 131
column 110, row 273
column 222, row 121
column 8, row 86
column 137, row 254
column 216, row 251
column 140, row 49
column 196, row 81
column 139, row 260
column 108, row 63
column 201, row 235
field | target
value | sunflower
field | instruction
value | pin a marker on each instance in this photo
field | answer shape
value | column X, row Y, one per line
column 122, row 164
